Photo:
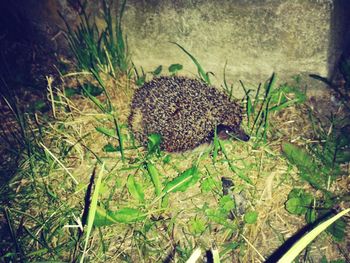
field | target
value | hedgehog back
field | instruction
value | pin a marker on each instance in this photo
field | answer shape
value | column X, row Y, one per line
column 183, row 111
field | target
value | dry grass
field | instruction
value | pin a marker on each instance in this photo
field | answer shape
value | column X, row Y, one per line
column 152, row 240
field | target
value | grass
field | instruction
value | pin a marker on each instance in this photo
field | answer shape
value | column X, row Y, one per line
column 101, row 49
column 84, row 190
column 151, row 205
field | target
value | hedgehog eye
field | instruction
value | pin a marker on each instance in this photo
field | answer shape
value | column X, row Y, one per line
column 227, row 131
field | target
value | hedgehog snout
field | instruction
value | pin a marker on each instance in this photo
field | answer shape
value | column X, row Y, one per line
column 225, row 132
column 241, row 135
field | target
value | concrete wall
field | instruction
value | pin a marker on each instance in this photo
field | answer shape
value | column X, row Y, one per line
column 255, row 37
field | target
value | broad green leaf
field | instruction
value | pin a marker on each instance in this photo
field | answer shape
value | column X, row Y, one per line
column 251, row 217
column 227, row 203
column 217, row 215
column 299, row 157
column 337, row 230
column 128, row 215
column 153, row 172
column 295, row 206
column 110, row 148
column 306, row 199
column 183, row 182
column 324, row 260
column 296, row 192
column 294, row 251
column 124, row 215
column 135, row 189
column 173, row 68
column 107, row 132
column 140, row 81
column 167, row 159
column 208, row 184
column 103, row 218
column 153, row 144
column 197, row 226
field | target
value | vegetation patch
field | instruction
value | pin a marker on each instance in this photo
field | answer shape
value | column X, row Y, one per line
column 86, row 189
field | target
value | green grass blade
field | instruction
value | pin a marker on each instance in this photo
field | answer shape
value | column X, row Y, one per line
column 135, row 189
column 201, row 72
column 94, row 100
column 92, row 211
column 216, row 256
column 194, row 256
column 233, row 168
column 60, row 163
column 126, row 215
column 120, row 137
column 154, row 174
column 106, row 131
column 295, row 250
column 182, row 182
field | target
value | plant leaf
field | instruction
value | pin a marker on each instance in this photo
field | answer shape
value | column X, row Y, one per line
column 92, row 210
column 337, row 230
column 227, row 203
column 197, row 226
column 135, row 189
column 153, row 172
column 295, row 206
column 306, row 165
column 251, row 217
column 158, row 70
column 183, row 182
column 70, row 92
column 109, row 148
column 93, row 90
column 294, row 251
column 173, row 68
column 153, row 144
column 201, row 72
column 125, row 215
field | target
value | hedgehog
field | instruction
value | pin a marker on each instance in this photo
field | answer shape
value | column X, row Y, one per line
column 185, row 112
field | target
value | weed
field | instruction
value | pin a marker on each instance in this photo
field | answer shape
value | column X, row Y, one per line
column 99, row 49
column 140, row 77
column 319, row 166
column 148, row 205
column 266, row 100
